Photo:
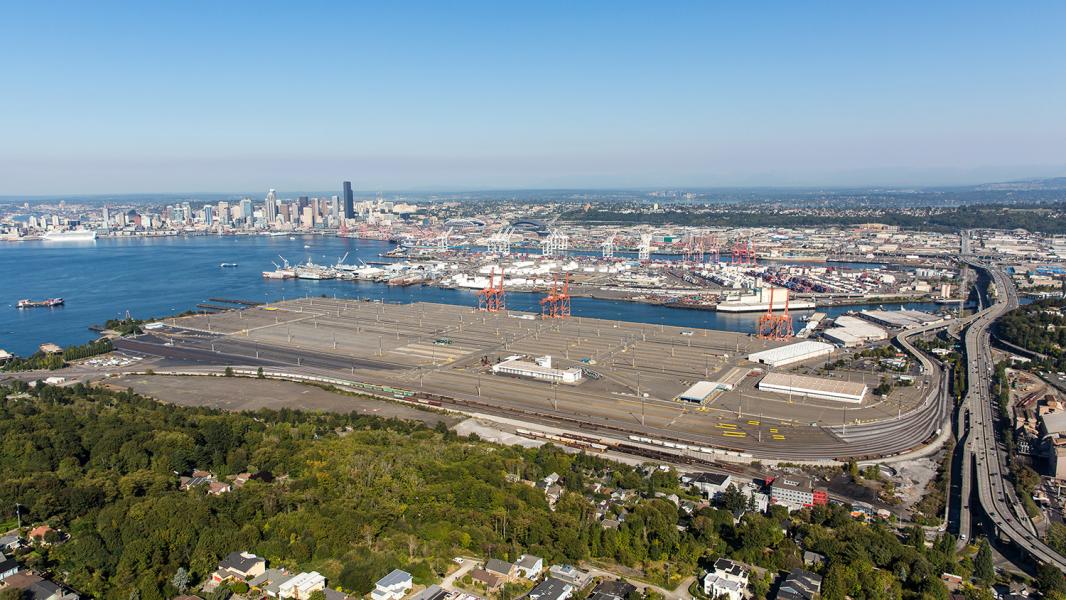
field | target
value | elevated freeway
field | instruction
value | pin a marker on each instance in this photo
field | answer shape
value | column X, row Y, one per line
column 1004, row 512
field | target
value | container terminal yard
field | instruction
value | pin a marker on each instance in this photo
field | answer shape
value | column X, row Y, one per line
column 700, row 391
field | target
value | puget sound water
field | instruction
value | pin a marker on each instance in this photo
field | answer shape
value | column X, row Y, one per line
column 156, row 277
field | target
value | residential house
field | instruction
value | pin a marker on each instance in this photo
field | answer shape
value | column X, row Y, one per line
column 551, row 589
column 727, row 578
column 35, row 587
column 217, row 488
column 269, row 582
column 529, row 566
column 239, row 565
column 800, row 585
column 812, row 558
column 393, row 586
column 951, row 581
column 570, row 574
column 618, row 589
column 302, row 586
column 502, row 568
column 433, row 592
column 9, row 543
column 719, row 587
column 37, row 534
column 198, row 478
column 711, row 485
column 8, row 566
column 731, row 571
column 491, row 581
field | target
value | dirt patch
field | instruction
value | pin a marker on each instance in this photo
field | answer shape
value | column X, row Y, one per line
column 243, row 394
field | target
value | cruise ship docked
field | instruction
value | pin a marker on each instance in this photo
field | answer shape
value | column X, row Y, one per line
column 70, row 235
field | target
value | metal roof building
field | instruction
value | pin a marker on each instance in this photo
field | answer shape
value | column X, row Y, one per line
column 814, row 387
column 852, row 331
column 902, row 319
column 699, row 391
column 800, row 351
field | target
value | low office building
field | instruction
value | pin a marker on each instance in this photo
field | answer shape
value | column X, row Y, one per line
column 792, row 353
column 540, row 370
column 796, row 492
column 852, row 392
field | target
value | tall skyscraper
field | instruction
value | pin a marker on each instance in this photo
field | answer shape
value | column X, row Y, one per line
column 246, row 209
column 107, row 215
column 209, row 215
column 349, row 201
column 271, row 212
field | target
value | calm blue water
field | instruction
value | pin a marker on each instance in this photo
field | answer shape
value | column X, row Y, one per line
column 163, row 276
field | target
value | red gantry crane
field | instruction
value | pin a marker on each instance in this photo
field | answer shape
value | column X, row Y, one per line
column 492, row 298
column 775, row 327
column 556, row 305
column 744, row 252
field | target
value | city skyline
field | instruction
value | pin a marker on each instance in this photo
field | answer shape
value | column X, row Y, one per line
column 481, row 97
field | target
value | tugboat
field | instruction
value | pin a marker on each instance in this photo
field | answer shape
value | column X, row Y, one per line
column 49, row 303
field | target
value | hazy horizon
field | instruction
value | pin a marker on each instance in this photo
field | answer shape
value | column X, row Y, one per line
column 482, row 96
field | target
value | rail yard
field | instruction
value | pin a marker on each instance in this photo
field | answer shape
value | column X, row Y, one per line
column 631, row 376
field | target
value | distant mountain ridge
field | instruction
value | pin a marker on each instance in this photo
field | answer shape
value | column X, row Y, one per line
column 1047, row 183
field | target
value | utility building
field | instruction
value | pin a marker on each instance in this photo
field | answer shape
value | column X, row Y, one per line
column 541, row 370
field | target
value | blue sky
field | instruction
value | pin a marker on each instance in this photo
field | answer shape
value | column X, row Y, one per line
column 235, row 96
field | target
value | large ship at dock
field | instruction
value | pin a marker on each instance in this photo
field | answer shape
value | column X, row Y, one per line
column 70, row 235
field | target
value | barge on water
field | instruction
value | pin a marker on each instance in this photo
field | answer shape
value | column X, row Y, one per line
column 49, row 303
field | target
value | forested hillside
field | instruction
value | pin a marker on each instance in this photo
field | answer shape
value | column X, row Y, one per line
column 1039, row 327
column 354, row 497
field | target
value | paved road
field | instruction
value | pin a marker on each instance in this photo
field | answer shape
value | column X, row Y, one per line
column 1005, row 513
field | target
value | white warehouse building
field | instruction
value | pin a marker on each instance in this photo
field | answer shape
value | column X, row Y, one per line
column 540, row 370
column 792, row 353
column 851, row 392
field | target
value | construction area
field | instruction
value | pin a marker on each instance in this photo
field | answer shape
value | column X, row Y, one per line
column 616, row 378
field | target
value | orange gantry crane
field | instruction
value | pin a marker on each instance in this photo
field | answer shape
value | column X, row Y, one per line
column 775, row 327
column 556, row 305
column 492, row 298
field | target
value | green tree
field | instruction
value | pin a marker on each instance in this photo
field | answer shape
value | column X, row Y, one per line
column 983, row 569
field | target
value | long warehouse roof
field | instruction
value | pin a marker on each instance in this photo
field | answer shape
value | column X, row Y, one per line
column 835, row 387
column 790, row 351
